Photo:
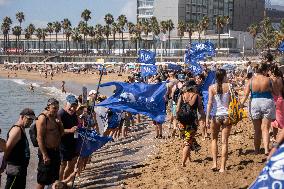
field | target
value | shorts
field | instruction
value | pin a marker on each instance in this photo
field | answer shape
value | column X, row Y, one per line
column 174, row 109
column 68, row 153
column 188, row 131
column 262, row 108
column 47, row 174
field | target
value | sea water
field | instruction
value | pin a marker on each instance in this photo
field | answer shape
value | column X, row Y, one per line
column 15, row 96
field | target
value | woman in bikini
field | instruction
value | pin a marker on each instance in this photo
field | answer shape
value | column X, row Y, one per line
column 217, row 108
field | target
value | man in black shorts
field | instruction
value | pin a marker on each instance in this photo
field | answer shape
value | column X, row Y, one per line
column 68, row 151
column 49, row 132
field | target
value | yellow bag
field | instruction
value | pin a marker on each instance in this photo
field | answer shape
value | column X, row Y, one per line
column 236, row 113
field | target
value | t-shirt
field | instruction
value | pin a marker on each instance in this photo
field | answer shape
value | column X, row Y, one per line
column 68, row 122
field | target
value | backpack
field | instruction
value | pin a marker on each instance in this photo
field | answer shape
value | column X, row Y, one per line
column 186, row 114
column 236, row 113
column 33, row 131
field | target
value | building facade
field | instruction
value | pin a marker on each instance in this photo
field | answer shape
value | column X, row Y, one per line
column 242, row 13
column 247, row 12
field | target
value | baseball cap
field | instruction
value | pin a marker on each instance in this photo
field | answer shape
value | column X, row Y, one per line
column 71, row 99
column 92, row 92
column 28, row 112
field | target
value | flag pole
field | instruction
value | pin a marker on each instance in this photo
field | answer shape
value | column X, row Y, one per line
column 92, row 111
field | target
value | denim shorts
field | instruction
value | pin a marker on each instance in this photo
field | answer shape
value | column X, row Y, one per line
column 262, row 108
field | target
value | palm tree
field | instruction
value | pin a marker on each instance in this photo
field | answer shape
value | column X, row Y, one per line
column 114, row 30
column 131, row 31
column 66, row 26
column 181, row 29
column 221, row 22
column 57, row 29
column 107, row 32
column 164, row 27
column 31, row 29
column 44, row 34
column 190, row 26
column 92, row 34
column 155, row 30
column 109, row 20
column 170, row 27
column 266, row 39
column 39, row 36
column 50, row 31
column 83, row 28
column 98, row 35
column 205, row 24
column 138, row 31
column 68, row 33
column 20, row 17
column 199, row 30
column 5, row 27
column 27, row 36
column 86, row 15
column 146, row 27
column 253, row 30
column 76, row 37
column 17, row 31
column 122, row 20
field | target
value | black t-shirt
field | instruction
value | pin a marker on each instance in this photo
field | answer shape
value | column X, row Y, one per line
column 68, row 121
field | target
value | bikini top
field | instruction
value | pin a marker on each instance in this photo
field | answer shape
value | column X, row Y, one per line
column 265, row 94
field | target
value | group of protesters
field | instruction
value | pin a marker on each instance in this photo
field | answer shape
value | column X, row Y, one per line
column 188, row 110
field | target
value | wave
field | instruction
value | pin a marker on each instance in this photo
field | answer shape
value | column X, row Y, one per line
column 19, row 81
column 55, row 92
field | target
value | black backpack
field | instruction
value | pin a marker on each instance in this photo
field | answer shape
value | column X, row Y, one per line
column 187, row 115
column 33, row 131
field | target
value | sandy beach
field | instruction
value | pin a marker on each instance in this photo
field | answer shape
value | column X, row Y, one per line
column 81, row 78
column 140, row 161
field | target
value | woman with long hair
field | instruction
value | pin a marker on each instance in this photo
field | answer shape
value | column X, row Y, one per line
column 277, row 78
column 262, row 108
column 188, row 104
column 218, row 104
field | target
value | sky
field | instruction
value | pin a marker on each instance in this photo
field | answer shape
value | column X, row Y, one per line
column 40, row 12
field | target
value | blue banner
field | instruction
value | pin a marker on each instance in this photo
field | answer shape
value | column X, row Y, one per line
column 210, row 79
column 174, row 67
column 272, row 175
column 92, row 143
column 281, row 47
column 141, row 98
column 198, row 52
column 148, row 70
column 146, row 57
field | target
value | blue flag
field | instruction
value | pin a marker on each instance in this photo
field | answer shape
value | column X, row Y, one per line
column 147, row 99
column 210, row 79
column 281, row 47
column 198, row 52
column 272, row 175
column 92, row 143
column 146, row 57
column 148, row 70
column 174, row 67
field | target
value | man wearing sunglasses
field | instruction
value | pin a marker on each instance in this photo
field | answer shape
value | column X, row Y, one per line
column 17, row 152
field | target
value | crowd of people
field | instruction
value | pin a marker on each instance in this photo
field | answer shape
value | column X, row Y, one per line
column 189, row 111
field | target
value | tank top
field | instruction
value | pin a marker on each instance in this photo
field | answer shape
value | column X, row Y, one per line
column 20, row 154
column 220, row 104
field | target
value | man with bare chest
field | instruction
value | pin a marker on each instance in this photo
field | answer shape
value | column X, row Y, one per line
column 49, row 132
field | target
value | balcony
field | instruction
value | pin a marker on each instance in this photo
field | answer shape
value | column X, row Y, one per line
column 145, row 7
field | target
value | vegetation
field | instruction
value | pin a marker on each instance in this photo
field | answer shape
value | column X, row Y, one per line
column 144, row 34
